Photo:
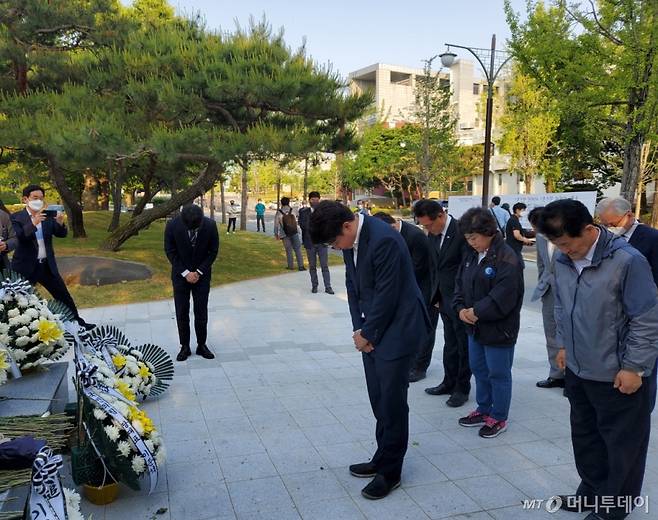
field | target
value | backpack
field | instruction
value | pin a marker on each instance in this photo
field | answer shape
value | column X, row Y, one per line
column 289, row 223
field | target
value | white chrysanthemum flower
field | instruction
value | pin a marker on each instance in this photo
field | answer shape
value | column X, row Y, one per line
column 4, row 328
column 112, row 432
column 160, row 456
column 13, row 313
column 138, row 464
column 33, row 350
column 5, row 339
column 22, row 331
column 22, row 341
column 34, row 325
column 72, row 501
column 139, row 427
column 32, row 313
column 13, row 322
column 18, row 355
column 28, row 365
column 100, row 414
column 124, row 448
column 122, row 408
column 48, row 351
column 150, row 445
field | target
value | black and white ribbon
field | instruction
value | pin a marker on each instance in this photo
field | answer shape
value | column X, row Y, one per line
column 16, row 288
column 91, row 388
column 46, row 499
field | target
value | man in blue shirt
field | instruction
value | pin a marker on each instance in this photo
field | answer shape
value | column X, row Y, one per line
column 499, row 214
column 260, row 215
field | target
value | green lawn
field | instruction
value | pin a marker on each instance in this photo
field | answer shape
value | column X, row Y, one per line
column 243, row 256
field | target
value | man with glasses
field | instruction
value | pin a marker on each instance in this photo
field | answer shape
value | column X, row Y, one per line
column 390, row 323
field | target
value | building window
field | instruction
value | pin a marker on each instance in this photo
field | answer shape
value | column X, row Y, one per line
column 469, row 186
column 500, row 179
column 476, row 89
column 444, row 83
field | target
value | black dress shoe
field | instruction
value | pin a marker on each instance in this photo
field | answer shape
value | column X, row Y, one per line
column 457, row 399
column 184, row 353
column 204, row 352
column 442, row 389
column 363, row 470
column 379, row 488
column 416, row 375
column 314, row 289
column 329, row 290
column 576, row 504
column 551, row 382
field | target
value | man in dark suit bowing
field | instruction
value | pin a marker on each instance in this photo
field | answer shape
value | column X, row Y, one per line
column 191, row 244
column 390, row 323
column 34, row 257
column 449, row 246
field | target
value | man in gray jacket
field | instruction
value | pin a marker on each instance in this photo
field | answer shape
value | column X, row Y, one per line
column 546, row 254
column 606, row 309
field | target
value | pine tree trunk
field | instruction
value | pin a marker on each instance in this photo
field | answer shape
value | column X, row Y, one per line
column 118, row 177
column 631, row 168
column 90, row 192
column 244, row 198
column 71, row 202
column 212, row 202
column 654, row 208
column 148, row 193
column 223, row 197
column 202, row 184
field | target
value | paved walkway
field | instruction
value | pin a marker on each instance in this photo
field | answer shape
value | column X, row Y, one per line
column 268, row 428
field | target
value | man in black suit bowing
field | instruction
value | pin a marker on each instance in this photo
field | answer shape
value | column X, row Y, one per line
column 390, row 323
column 191, row 244
column 34, row 257
column 449, row 246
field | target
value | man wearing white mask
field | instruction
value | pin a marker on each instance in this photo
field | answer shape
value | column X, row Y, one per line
column 34, row 257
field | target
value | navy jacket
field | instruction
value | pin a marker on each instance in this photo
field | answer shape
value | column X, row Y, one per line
column 25, row 256
column 645, row 240
column 422, row 257
column 183, row 256
column 384, row 299
column 494, row 288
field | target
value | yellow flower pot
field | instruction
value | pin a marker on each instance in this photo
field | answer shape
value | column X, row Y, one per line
column 101, row 495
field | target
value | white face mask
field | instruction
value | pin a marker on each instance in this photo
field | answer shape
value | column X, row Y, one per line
column 617, row 230
column 35, row 205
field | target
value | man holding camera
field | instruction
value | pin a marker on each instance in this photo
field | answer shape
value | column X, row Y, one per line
column 34, row 257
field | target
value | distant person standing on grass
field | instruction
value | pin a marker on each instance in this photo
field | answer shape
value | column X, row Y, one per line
column 260, row 215
column 314, row 251
column 285, row 229
column 233, row 212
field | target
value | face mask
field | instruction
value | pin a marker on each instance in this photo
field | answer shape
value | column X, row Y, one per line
column 617, row 230
column 35, row 205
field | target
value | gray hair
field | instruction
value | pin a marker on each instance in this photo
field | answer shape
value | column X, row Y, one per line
column 617, row 205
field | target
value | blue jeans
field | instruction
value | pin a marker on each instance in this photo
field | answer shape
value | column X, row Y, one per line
column 492, row 369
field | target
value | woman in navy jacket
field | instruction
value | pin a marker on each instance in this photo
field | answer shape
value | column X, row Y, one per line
column 488, row 299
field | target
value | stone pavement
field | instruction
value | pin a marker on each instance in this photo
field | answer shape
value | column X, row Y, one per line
column 268, row 428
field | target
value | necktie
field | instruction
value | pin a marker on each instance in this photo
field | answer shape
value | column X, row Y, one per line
column 193, row 235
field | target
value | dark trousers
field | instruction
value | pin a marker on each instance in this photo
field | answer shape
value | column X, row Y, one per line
column 231, row 222
column 424, row 355
column 200, row 292
column 54, row 284
column 260, row 220
column 456, row 369
column 313, row 253
column 610, row 435
column 387, row 383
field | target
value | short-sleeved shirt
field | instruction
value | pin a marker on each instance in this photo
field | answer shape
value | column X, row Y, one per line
column 512, row 224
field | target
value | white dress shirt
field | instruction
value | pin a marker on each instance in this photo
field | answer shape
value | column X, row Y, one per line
column 355, row 247
column 587, row 261
column 445, row 230
column 627, row 236
column 40, row 241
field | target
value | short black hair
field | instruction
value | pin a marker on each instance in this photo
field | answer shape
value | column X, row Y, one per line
column 327, row 221
column 533, row 216
column 518, row 205
column 285, row 201
column 32, row 187
column 381, row 215
column 192, row 216
column 314, row 194
column 478, row 220
column 564, row 217
column 495, row 200
column 427, row 208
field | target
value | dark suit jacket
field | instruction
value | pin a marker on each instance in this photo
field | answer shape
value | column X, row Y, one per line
column 304, row 222
column 422, row 258
column 384, row 299
column 25, row 257
column 448, row 259
column 8, row 236
column 183, row 256
column 645, row 240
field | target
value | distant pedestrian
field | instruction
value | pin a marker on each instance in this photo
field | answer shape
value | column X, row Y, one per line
column 260, row 215
column 514, row 231
column 285, row 229
column 8, row 240
column 505, row 206
column 233, row 212
column 488, row 299
column 314, row 252
column 501, row 215
column 546, row 255
column 606, row 309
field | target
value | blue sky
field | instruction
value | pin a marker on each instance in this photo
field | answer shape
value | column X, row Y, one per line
column 354, row 34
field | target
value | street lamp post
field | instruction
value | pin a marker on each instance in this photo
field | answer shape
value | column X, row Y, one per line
column 497, row 60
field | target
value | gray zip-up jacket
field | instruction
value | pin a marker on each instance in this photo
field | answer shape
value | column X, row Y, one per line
column 607, row 317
